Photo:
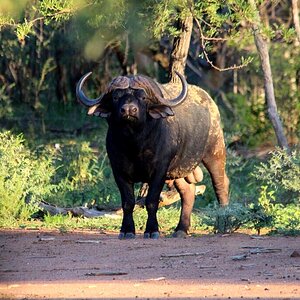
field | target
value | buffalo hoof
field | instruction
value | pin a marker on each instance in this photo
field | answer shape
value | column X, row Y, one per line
column 179, row 234
column 126, row 236
column 153, row 235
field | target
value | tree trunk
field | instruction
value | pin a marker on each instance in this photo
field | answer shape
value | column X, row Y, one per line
column 262, row 48
column 180, row 49
column 296, row 18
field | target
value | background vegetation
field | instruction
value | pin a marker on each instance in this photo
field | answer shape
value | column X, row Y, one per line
column 51, row 151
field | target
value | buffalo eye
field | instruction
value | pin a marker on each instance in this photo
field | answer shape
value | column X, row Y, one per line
column 117, row 94
column 140, row 94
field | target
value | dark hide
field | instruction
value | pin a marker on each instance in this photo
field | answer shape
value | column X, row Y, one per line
column 152, row 143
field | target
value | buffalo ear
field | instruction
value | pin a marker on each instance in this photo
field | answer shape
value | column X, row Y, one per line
column 98, row 111
column 101, row 109
column 160, row 111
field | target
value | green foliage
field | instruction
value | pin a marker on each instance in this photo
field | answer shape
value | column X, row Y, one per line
column 23, row 30
column 57, row 10
column 287, row 91
column 281, row 173
column 67, row 175
column 112, row 14
column 65, row 223
column 225, row 219
column 47, row 45
column 264, row 195
column 82, row 176
column 263, row 210
column 24, row 177
column 249, row 120
column 261, row 214
column 58, row 41
column 5, row 21
column 5, row 102
column 276, row 216
column 287, row 219
column 165, row 16
column 74, row 173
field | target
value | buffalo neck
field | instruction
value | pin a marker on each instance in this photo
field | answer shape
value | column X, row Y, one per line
column 138, row 135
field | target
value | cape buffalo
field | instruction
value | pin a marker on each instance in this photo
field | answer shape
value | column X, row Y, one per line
column 157, row 134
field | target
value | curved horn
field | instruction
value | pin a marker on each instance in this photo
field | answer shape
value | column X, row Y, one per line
column 82, row 98
column 180, row 98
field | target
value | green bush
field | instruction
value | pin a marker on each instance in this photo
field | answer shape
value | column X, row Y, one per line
column 287, row 219
column 65, row 175
column 24, row 177
column 83, row 176
column 226, row 219
column 262, row 195
column 281, row 172
column 279, row 218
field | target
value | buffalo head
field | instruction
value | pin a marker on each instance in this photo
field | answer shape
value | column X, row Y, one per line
column 131, row 98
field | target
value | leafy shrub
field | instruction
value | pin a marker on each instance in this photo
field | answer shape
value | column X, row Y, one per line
column 263, row 195
column 262, row 211
column 276, row 216
column 287, row 219
column 68, row 175
column 82, row 176
column 23, row 177
column 281, row 173
column 248, row 119
column 226, row 219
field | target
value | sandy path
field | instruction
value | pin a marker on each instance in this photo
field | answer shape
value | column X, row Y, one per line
column 89, row 265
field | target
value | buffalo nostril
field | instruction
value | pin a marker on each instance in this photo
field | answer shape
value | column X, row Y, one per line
column 124, row 109
column 128, row 110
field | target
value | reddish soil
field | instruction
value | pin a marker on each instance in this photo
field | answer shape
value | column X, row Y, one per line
column 90, row 265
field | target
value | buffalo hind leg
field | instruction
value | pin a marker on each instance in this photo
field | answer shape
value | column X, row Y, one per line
column 187, row 194
column 215, row 164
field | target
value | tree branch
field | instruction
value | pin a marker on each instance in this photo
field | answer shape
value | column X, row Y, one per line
column 64, row 11
column 262, row 49
column 202, row 42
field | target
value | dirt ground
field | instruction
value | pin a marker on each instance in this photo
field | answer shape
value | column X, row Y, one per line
column 93, row 265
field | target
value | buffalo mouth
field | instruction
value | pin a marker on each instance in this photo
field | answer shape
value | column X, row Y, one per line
column 129, row 118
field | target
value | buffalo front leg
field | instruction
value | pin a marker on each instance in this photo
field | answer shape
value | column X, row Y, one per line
column 128, row 202
column 187, row 194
